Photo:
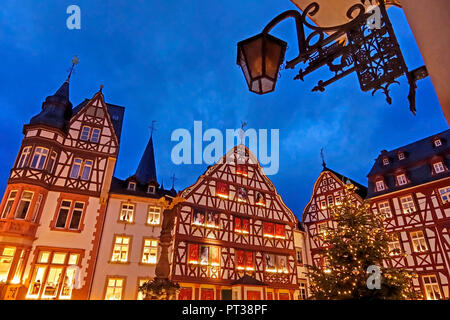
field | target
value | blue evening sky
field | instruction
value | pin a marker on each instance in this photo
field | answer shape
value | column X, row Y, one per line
column 174, row 61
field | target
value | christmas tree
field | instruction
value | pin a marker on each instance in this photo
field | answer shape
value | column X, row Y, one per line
column 356, row 257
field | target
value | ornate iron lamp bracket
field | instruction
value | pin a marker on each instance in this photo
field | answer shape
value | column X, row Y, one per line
column 372, row 52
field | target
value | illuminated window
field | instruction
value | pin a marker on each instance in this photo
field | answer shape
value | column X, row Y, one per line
column 18, row 273
column 323, row 204
column 24, row 157
column 132, row 186
column 53, row 275
column 154, row 216
column 114, row 288
column 204, row 255
column 401, row 155
column 408, row 205
column 127, row 212
column 222, row 190
column 432, row 289
column 244, row 260
column 260, row 199
column 395, row 247
column 330, row 200
column 418, row 241
column 86, row 170
column 275, row 264
column 95, row 135
column 76, row 168
column 437, row 142
column 37, row 207
column 241, row 225
column 69, row 217
column 438, row 167
column 242, row 170
column 52, row 162
column 9, row 203
column 242, row 194
column 24, row 205
column 338, row 201
column 85, row 133
column 322, row 228
column 39, row 158
column 121, row 249
column 150, row 251
column 385, row 161
column 385, row 209
column 380, row 185
column 402, row 180
column 6, row 259
column 268, row 230
column 445, row 194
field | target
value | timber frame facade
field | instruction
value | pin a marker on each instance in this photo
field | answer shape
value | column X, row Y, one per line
column 234, row 236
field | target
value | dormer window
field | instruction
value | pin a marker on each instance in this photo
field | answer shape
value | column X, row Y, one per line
column 385, row 161
column 438, row 167
column 401, row 179
column 151, row 189
column 401, row 155
column 437, row 142
column 132, row 186
column 379, row 186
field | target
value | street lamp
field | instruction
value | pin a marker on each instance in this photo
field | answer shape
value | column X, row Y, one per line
column 260, row 58
column 360, row 45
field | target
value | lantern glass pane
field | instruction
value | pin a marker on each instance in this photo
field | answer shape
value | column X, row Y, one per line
column 253, row 52
column 273, row 58
column 244, row 68
column 267, row 85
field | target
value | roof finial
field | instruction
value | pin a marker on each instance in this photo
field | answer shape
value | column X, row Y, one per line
column 101, row 88
column 152, row 128
column 173, row 181
column 324, row 165
column 75, row 61
column 242, row 131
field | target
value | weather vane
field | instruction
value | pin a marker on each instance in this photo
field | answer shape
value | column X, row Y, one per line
column 323, row 158
column 242, row 131
column 75, row 61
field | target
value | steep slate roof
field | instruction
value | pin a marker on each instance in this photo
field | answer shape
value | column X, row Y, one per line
column 119, row 186
column 360, row 189
column 115, row 112
column 416, row 163
column 146, row 171
column 56, row 109
column 247, row 280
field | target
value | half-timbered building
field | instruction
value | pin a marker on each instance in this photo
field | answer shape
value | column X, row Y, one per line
column 410, row 187
column 52, row 211
column 129, row 249
column 328, row 190
column 234, row 236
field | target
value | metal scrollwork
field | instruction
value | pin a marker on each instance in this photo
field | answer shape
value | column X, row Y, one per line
column 373, row 53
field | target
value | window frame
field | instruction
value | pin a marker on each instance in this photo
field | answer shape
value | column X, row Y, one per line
column 39, row 153
column 122, row 288
column 446, row 194
column 440, row 165
column 88, row 133
column 114, row 242
column 24, row 157
column 30, row 201
column 401, row 179
column 437, row 283
column 3, row 215
column 379, row 183
column 412, row 201
column 133, row 213
column 387, row 216
column 153, row 212
column 68, row 221
column 425, row 241
column 151, row 247
column 92, row 135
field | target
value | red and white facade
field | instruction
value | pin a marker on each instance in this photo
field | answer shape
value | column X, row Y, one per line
column 410, row 187
column 52, row 211
column 328, row 190
column 234, row 236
